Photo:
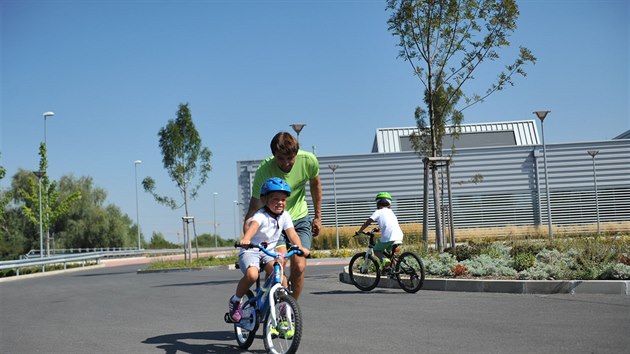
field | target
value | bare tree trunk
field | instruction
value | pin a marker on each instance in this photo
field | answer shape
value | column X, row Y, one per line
column 450, row 203
column 439, row 237
column 425, row 203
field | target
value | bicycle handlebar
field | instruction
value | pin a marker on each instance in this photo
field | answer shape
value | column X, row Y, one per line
column 368, row 233
column 263, row 247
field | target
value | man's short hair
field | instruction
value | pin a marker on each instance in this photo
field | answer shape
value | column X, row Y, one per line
column 285, row 144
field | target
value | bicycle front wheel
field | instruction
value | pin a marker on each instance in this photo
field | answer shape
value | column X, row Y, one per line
column 364, row 271
column 410, row 272
column 245, row 330
column 283, row 336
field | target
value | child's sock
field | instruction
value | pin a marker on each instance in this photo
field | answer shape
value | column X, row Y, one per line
column 235, row 298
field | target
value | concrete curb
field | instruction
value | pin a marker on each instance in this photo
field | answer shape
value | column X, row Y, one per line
column 612, row 287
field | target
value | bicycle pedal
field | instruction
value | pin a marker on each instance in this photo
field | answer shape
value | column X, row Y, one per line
column 227, row 318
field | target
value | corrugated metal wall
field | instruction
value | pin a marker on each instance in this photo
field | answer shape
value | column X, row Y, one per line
column 507, row 195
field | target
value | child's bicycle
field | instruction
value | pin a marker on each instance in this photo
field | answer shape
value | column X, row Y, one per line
column 272, row 305
column 365, row 269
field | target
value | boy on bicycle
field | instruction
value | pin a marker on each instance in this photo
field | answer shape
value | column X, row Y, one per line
column 266, row 225
column 388, row 223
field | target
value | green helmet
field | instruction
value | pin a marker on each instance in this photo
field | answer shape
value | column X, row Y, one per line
column 383, row 195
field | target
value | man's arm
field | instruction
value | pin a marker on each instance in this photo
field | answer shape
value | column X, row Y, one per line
column 254, row 204
column 316, row 196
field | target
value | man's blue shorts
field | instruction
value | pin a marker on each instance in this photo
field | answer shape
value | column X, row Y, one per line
column 303, row 227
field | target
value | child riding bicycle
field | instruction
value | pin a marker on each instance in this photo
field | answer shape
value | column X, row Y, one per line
column 388, row 223
column 266, row 225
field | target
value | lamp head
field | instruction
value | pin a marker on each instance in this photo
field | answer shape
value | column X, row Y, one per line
column 48, row 114
column 297, row 127
column 541, row 115
column 333, row 167
column 593, row 153
column 137, row 162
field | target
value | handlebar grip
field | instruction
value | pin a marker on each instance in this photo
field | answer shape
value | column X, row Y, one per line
column 238, row 244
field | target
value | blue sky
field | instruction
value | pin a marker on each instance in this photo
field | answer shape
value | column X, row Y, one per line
column 114, row 73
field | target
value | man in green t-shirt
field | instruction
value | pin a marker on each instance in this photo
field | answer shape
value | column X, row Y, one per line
column 297, row 167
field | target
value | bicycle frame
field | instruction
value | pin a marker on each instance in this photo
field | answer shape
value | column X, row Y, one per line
column 264, row 299
column 371, row 243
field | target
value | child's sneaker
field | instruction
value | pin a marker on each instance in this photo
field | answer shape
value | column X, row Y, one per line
column 284, row 330
column 234, row 311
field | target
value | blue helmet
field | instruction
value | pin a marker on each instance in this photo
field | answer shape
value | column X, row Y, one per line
column 275, row 184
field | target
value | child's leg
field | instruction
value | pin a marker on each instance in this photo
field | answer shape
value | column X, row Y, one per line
column 378, row 251
column 248, row 279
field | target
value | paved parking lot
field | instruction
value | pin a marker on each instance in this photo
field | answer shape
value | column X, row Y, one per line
column 117, row 310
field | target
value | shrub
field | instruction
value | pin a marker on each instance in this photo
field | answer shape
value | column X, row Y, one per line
column 526, row 247
column 459, row 270
column 464, row 252
column 484, row 265
column 440, row 264
column 617, row 271
column 624, row 259
column 523, row 260
column 497, row 250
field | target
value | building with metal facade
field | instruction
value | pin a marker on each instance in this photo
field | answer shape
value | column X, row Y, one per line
column 492, row 186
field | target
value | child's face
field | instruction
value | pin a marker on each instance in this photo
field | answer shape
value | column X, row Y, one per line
column 276, row 201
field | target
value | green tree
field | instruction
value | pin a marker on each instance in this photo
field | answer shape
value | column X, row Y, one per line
column 53, row 206
column 185, row 159
column 4, row 201
column 445, row 42
column 90, row 223
column 159, row 242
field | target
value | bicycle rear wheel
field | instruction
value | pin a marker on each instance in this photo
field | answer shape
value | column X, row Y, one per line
column 284, row 336
column 364, row 271
column 410, row 272
column 245, row 330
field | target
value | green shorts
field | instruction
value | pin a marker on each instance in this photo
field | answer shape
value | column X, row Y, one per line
column 383, row 246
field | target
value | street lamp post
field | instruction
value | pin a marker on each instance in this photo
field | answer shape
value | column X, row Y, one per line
column 236, row 234
column 334, row 167
column 135, row 165
column 46, row 116
column 297, row 128
column 541, row 115
column 214, row 209
column 593, row 153
column 39, row 175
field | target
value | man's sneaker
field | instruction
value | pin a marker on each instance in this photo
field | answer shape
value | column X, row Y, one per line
column 235, row 311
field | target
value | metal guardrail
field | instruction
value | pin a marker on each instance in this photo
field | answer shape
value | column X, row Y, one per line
column 29, row 260
column 43, row 262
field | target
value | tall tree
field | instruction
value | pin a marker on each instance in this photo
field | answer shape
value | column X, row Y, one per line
column 54, row 206
column 445, row 42
column 184, row 158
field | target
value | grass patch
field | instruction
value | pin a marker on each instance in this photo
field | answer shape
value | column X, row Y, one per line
column 196, row 263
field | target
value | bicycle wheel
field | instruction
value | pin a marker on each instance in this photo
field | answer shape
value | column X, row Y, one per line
column 364, row 273
column 410, row 272
column 245, row 330
column 284, row 336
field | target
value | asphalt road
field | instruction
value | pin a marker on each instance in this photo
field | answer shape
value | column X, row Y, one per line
column 116, row 310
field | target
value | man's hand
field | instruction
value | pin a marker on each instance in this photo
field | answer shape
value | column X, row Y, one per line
column 316, row 227
column 306, row 252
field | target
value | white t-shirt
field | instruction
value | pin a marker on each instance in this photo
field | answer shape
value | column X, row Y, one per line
column 388, row 223
column 270, row 228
